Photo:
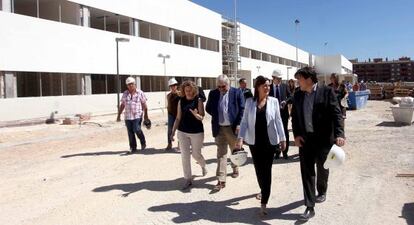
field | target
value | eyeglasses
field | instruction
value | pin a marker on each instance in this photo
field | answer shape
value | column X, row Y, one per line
column 221, row 86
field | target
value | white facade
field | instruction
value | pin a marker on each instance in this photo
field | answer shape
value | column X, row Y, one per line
column 333, row 64
column 259, row 41
column 61, row 55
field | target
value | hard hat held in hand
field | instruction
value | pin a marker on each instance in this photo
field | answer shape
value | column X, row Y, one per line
column 238, row 157
column 336, row 157
column 147, row 124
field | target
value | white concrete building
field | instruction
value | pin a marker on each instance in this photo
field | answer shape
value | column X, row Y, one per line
column 326, row 65
column 60, row 55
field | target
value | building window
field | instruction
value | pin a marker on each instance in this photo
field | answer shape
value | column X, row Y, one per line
column 244, row 52
column 208, row 83
column 256, row 55
column 32, row 84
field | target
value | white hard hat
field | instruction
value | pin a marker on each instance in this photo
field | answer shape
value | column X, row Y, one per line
column 277, row 73
column 130, row 80
column 238, row 157
column 336, row 157
column 172, row 81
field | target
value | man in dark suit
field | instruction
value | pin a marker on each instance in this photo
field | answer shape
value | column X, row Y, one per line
column 282, row 93
column 316, row 123
column 247, row 93
column 225, row 105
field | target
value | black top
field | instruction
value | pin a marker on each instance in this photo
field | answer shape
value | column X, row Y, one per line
column 188, row 123
column 326, row 117
column 173, row 99
column 262, row 137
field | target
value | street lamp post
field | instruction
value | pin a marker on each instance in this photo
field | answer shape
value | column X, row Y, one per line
column 118, row 84
column 164, row 57
column 296, row 31
column 258, row 70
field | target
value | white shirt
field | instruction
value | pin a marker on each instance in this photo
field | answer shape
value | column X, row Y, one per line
column 224, row 119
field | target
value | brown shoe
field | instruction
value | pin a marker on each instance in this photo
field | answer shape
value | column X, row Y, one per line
column 235, row 173
column 220, row 185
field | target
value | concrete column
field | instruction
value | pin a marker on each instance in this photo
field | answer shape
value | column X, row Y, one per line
column 6, row 6
column 10, row 85
column 134, row 27
column 87, row 84
column 1, row 85
column 198, row 42
column 172, row 35
column 85, row 16
column 138, row 82
column 198, row 81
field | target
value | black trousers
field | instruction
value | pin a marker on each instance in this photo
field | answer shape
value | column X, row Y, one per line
column 285, row 120
column 310, row 154
column 263, row 162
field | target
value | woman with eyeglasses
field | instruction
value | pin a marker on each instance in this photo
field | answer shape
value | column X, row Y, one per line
column 262, row 129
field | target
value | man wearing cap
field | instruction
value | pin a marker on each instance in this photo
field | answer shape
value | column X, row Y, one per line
column 247, row 93
column 134, row 103
column 282, row 93
column 317, row 125
column 172, row 100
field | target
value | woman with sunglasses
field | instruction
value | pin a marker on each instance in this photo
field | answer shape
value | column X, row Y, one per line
column 262, row 129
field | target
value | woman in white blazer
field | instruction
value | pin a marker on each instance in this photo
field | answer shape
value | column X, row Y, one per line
column 262, row 129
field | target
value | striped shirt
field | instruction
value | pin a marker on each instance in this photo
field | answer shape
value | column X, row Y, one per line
column 133, row 104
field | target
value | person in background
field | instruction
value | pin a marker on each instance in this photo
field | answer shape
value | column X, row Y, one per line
column 355, row 87
column 262, row 129
column 340, row 92
column 135, row 104
column 190, row 114
column 362, row 86
column 316, row 124
column 172, row 100
column 225, row 105
column 292, row 86
column 247, row 93
column 282, row 92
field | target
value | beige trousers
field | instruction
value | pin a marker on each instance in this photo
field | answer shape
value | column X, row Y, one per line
column 190, row 145
column 225, row 138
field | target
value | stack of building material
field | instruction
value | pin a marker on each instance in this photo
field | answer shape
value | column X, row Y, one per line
column 389, row 91
column 376, row 92
column 70, row 121
column 402, row 92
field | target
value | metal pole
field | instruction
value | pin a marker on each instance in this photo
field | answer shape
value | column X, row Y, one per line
column 117, row 76
column 296, row 31
column 236, row 45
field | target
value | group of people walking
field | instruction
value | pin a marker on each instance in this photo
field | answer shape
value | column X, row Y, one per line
column 259, row 120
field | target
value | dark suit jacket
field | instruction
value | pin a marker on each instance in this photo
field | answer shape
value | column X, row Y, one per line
column 326, row 116
column 285, row 95
column 236, row 108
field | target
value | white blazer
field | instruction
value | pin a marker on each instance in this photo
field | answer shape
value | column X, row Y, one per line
column 274, row 122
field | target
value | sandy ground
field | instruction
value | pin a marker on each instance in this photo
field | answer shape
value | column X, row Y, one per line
column 56, row 174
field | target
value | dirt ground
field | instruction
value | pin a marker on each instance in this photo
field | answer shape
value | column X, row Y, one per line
column 71, row 174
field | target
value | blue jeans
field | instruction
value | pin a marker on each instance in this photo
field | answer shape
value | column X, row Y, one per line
column 134, row 127
column 171, row 121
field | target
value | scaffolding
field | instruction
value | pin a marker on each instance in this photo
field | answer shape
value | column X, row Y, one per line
column 230, row 49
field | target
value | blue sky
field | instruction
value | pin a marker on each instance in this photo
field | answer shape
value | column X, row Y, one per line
column 355, row 28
